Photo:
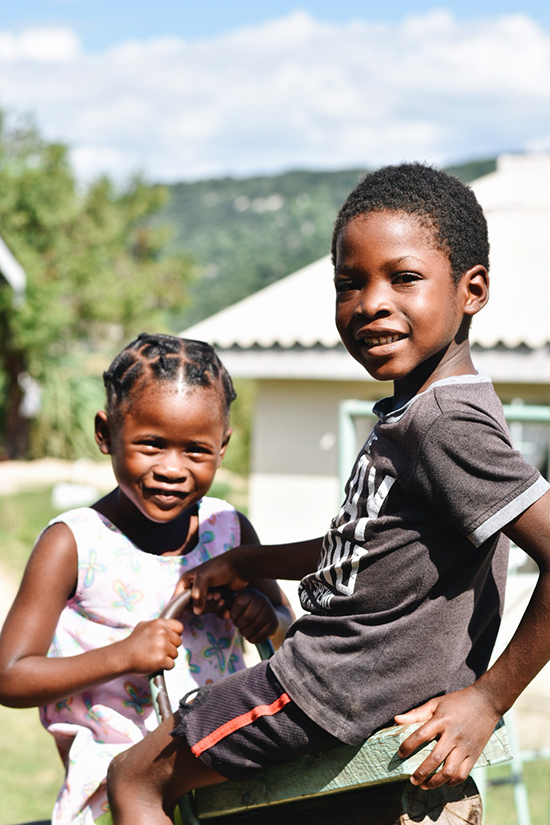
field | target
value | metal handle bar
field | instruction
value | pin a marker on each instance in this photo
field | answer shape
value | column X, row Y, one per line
column 157, row 681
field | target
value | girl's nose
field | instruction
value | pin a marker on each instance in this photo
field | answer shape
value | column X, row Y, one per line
column 171, row 468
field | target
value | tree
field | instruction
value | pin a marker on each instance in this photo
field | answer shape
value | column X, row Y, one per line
column 96, row 270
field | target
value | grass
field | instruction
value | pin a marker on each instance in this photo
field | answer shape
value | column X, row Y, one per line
column 30, row 769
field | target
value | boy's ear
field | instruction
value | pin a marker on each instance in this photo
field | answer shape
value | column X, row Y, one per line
column 475, row 283
column 225, row 442
column 103, row 432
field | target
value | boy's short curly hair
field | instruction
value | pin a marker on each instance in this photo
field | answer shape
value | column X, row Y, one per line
column 164, row 359
column 438, row 200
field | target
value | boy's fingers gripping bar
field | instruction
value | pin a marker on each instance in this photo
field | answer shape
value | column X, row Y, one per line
column 157, row 682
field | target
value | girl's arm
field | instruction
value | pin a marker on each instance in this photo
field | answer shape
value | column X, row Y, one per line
column 27, row 676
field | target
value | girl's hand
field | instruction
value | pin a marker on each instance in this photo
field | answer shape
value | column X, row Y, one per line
column 462, row 723
column 152, row 646
column 253, row 614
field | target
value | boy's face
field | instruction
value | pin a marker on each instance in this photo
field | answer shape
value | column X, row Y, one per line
column 165, row 449
column 396, row 302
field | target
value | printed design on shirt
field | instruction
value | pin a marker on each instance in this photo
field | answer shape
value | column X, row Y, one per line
column 91, row 567
column 345, row 545
column 215, row 651
column 128, row 597
column 139, row 698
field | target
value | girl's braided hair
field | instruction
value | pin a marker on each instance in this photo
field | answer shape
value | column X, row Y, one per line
column 166, row 358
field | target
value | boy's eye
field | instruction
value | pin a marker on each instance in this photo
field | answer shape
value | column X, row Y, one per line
column 344, row 285
column 406, row 278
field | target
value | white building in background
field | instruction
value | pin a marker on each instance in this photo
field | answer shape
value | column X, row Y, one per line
column 285, row 337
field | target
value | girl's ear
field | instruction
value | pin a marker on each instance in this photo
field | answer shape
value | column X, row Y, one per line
column 225, row 442
column 475, row 282
column 103, row 432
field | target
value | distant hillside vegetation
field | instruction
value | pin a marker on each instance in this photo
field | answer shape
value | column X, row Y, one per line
column 247, row 233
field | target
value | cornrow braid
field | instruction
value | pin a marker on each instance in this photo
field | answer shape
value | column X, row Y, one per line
column 165, row 358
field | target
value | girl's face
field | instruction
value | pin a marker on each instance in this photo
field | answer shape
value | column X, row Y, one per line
column 165, row 448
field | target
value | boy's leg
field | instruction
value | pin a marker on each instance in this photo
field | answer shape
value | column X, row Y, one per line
column 145, row 782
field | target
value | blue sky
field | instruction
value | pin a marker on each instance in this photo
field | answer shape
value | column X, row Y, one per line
column 102, row 23
column 182, row 90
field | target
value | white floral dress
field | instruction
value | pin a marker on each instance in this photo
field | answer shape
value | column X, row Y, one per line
column 118, row 586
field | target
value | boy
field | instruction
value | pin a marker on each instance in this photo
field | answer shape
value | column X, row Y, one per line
column 405, row 592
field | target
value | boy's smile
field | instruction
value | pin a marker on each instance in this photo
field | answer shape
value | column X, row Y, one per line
column 397, row 305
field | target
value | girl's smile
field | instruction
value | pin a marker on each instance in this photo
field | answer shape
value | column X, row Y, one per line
column 165, row 450
column 397, row 305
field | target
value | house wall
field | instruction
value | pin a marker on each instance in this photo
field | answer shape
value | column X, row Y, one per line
column 294, row 487
column 294, row 482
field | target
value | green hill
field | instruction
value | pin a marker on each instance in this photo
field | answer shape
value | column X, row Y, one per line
column 246, row 233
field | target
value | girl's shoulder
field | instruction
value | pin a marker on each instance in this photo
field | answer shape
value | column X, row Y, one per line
column 87, row 524
column 218, row 518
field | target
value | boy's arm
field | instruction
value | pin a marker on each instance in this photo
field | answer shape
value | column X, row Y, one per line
column 463, row 721
column 252, row 562
column 269, row 587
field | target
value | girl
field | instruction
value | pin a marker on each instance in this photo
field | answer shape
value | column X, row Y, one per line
column 83, row 632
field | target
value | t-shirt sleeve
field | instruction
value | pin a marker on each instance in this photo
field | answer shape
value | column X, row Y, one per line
column 471, row 474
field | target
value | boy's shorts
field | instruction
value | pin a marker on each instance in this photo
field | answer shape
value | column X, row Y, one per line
column 246, row 723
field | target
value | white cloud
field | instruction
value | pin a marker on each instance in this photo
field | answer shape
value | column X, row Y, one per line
column 39, row 46
column 293, row 92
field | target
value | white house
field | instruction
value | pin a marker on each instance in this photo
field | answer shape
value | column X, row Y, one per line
column 12, row 271
column 285, row 337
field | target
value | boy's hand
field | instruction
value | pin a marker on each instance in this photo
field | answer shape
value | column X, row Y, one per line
column 217, row 572
column 253, row 614
column 462, row 723
column 152, row 646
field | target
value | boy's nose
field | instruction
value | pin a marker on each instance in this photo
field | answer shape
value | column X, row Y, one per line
column 373, row 302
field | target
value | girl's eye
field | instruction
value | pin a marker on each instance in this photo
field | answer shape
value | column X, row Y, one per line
column 150, row 445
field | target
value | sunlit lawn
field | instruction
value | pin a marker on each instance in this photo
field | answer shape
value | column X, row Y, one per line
column 30, row 770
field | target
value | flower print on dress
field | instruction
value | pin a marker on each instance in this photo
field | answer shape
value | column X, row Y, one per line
column 64, row 704
column 135, row 563
column 194, row 625
column 191, row 666
column 232, row 663
column 206, row 538
column 217, row 646
column 91, row 566
column 128, row 598
column 98, row 717
column 139, row 698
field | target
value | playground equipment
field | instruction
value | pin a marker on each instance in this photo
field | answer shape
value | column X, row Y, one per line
column 366, row 784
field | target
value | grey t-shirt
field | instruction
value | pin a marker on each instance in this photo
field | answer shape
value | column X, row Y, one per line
column 407, row 598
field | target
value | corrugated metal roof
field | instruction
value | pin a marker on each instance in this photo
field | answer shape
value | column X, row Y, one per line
column 299, row 310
